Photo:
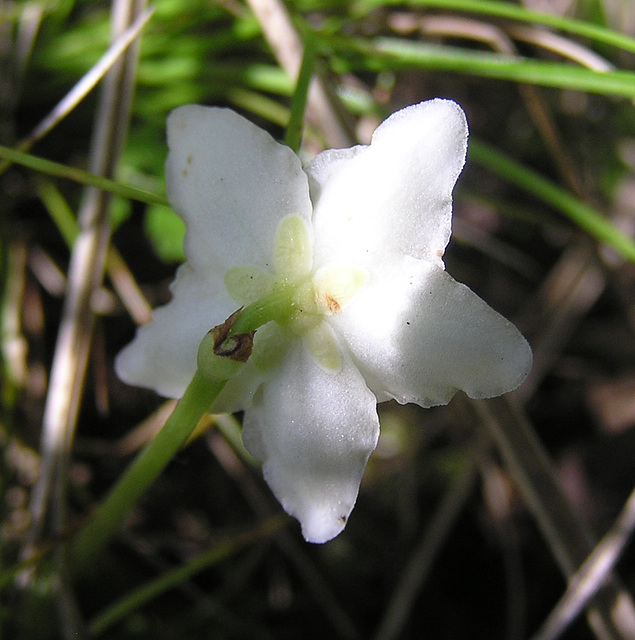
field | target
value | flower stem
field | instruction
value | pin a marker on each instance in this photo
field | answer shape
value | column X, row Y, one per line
column 144, row 470
column 196, row 401
column 277, row 305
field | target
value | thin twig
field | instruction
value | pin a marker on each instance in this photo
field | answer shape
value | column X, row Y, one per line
column 564, row 47
column 568, row 536
column 425, row 552
column 324, row 597
column 127, row 288
column 85, row 274
column 565, row 296
column 591, row 576
column 134, row 440
column 13, row 343
column 499, row 41
column 287, row 47
column 16, row 46
column 120, row 275
column 85, row 85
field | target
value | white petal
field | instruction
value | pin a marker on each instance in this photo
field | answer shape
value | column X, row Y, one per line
column 314, row 431
column 232, row 183
column 419, row 336
column 163, row 354
column 394, row 196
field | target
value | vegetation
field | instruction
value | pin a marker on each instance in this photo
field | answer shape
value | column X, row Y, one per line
column 474, row 518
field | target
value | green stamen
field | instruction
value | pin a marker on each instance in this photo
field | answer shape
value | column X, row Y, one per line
column 293, row 296
column 292, row 250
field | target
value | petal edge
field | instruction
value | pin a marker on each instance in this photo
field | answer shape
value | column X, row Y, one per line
column 314, row 431
column 431, row 336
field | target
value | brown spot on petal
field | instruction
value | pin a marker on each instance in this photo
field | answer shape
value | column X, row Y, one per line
column 333, row 305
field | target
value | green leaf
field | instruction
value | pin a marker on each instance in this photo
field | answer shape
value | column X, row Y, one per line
column 295, row 127
column 514, row 11
column 393, row 53
column 585, row 216
column 166, row 232
column 77, row 175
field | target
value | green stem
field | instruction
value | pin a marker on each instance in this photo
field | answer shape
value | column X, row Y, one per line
column 277, row 305
column 394, row 54
column 223, row 549
column 587, row 218
column 515, row 12
column 198, row 397
column 78, row 175
column 293, row 138
column 144, row 470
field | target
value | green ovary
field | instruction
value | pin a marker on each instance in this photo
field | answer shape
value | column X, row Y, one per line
column 309, row 296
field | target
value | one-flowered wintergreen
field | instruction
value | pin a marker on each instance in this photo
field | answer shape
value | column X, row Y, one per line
column 353, row 243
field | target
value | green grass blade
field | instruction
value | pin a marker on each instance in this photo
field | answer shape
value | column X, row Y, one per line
column 118, row 610
column 513, row 11
column 293, row 138
column 393, row 53
column 259, row 105
column 58, row 209
column 586, row 217
column 79, row 175
column 142, row 472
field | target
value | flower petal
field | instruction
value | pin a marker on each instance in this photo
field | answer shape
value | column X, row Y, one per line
column 418, row 336
column 163, row 354
column 394, row 196
column 314, row 431
column 232, row 183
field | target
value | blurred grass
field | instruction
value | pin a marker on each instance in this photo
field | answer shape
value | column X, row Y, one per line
column 397, row 54
column 595, row 32
column 215, row 53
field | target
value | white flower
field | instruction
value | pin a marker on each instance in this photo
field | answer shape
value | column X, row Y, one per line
column 358, row 235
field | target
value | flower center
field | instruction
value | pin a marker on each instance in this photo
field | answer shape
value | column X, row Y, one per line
column 310, row 295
